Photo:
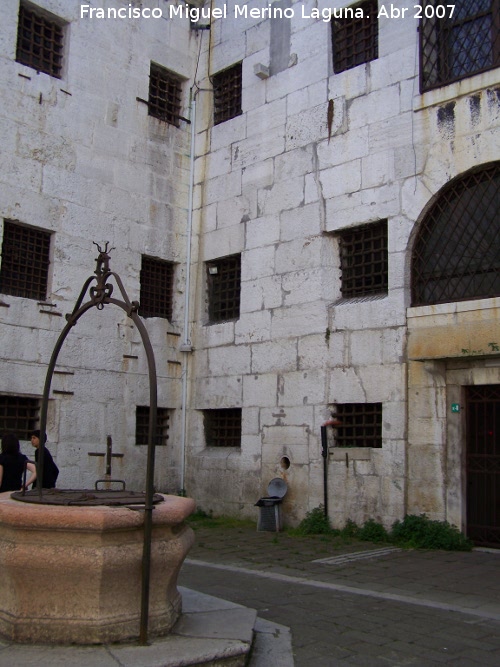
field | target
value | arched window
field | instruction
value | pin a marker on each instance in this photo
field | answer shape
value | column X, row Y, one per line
column 456, row 254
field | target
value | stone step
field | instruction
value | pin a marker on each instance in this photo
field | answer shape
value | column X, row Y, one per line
column 211, row 632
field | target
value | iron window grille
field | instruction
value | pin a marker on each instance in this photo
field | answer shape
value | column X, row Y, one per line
column 40, row 40
column 355, row 40
column 224, row 283
column 25, row 261
column 18, row 415
column 165, row 91
column 142, row 425
column 360, row 425
column 222, row 427
column 227, row 93
column 364, row 260
column 157, row 282
column 456, row 254
column 457, row 46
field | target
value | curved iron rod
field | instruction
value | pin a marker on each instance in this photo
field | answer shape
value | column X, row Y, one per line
column 149, row 506
column 131, row 310
column 148, row 509
column 72, row 320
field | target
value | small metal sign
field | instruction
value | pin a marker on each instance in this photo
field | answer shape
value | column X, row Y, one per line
column 455, row 407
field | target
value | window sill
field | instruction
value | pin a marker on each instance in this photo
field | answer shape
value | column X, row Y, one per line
column 346, row 454
column 455, row 307
column 361, row 299
column 215, row 322
column 218, row 452
column 451, row 91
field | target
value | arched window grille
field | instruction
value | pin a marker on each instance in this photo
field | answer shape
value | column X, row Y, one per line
column 456, row 254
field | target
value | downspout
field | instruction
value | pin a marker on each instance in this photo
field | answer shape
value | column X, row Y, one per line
column 186, row 345
column 324, row 454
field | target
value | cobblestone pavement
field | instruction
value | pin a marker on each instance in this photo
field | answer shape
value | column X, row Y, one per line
column 357, row 604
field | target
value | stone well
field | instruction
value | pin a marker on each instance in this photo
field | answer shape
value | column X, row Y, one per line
column 73, row 574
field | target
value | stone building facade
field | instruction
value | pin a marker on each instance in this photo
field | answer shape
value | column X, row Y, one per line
column 84, row 161
column 330, row 219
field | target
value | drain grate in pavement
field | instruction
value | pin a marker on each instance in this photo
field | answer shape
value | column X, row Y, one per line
column 357, row 555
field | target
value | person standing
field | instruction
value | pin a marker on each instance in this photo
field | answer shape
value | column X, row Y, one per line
column 13, row 464
column 50, row 469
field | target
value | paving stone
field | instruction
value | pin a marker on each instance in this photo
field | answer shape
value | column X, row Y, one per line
column 334, row 627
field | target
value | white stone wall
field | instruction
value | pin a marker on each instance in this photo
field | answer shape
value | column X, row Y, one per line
column 272, row 186
column 85, row 161
column 81, row 158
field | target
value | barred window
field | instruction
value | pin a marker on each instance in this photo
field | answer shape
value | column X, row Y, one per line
column 142, row 425
column 157, row 282
column 456, row 46
column 456, row 254
column 18, row 415
column 165, row 90
column 40, row 40
column 360, row 424
column 227, row 93
column 355, row 37
column 222, row 427
column 224, row 281
column 363, row 260
column 25, row 261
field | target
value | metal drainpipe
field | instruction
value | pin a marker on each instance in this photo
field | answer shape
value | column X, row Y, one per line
column 324, row 454
column 186, row 345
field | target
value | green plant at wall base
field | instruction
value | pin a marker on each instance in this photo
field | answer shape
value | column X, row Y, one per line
column 372, row 531
column 414, row 532
column 200, row 515
column 314, row 523
column 494, row 347
column 420, row 532
column 349, row 530
column 202, row 519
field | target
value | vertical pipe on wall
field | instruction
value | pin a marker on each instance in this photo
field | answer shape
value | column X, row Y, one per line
column 324, row 454
column 186, row 345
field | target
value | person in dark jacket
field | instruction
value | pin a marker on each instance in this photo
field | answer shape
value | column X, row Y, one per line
column 50, row 470
column 13, row 464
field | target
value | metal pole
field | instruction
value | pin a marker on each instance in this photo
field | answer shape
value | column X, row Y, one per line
column 324, row 454
column 148, row 507
column 186, row 342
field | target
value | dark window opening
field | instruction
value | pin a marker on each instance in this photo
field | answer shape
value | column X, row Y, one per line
column 227, row 93
column 157, row 282
column 18, row 415
column 40, row 40
column 222, row 427
column 364, row 260
column 456, row 254
column 165, row 91
column 25, row 261
column 457, row 46
column 355, row 40
column 224, row 282
column 142, row 425
column 360, row 424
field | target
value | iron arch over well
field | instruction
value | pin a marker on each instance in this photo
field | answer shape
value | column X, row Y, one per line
column 456, row 254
